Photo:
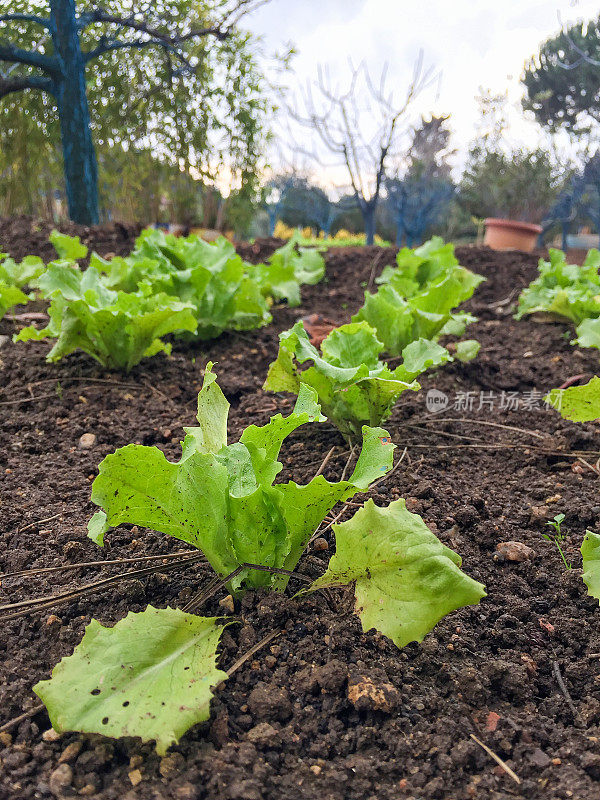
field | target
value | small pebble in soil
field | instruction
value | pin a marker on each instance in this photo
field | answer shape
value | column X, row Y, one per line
column 86, row 441
column 320, row 544
column 51, row 735
column 514, row 551
column 70, row 752
column 227, row 604
column 135, row 776
column 60, row 779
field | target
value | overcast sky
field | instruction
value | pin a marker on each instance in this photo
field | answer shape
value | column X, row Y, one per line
column 472, row 43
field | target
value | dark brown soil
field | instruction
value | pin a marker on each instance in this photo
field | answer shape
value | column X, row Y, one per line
column 476, row 485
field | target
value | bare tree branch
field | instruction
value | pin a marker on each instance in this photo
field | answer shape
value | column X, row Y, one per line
column 30, row 58
column 46, row 23
column 7, row 86
column 220, row 30
column 108, row 45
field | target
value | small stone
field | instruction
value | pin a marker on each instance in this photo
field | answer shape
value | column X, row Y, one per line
column 88, row 790
column 320, row 544
column 316, row 769
column 539, row 514
column 227, row 604
column 269, row 703
column 5, row 739
column 554, row 499
column 51, row 735
column 135, row 776
column 515, row 551
column 86, row 441
column 60, row 778
column 270, row 661
column 4, row 340
column 491, row 722
column 171, row 764
column 263, row 734
column 366, row 695
column 136, row 761
column 53, row 621
column 539, row 758
column 70, row 752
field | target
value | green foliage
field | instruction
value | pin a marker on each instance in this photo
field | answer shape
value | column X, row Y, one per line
column 577, row 403
column 150, row 676
column 558, row 537
column 227, row 293
column 14, row 277
column 415, row 300
column 154, row 124
column 405, row 579
column 289, row 267
column 590, row 550
column 69, row 248
column 118, row 329
column 567, row 291
column 520, row 184
column 354, row 387
column 562, row 87
column 467, row 350
column 10, row 296
column 221, row 498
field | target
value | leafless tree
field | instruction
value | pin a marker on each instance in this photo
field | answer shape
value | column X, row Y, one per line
column 360, row 127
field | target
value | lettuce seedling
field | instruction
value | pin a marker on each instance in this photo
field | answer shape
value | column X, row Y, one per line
column 564, row 290
column 151, row 675
column 354, row 387
column 118, row 329
column 14, row 277
column 288, row 268
column 400, row 320
column 221, row 498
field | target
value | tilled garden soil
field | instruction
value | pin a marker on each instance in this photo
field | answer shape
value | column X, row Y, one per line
column 520, row 672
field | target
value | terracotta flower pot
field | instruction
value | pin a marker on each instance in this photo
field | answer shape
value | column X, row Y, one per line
column 509, row 234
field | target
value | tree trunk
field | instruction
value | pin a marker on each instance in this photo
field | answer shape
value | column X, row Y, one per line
column 368, row 213
column 81, row 171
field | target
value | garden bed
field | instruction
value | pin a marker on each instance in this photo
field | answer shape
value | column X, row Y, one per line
column 520, row 671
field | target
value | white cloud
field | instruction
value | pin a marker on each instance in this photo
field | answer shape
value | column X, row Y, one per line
column 471, row 44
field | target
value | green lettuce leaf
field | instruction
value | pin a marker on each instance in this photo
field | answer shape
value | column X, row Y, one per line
column 577, row 403
column 354, row 387
column 467, row 350
column 590, row 551
column 10, row 296
column 68, row 248
column 289, row 267
column 564, row 290
column 222, row 498
column 117, row 329
column 405, row 579
column 150, row 676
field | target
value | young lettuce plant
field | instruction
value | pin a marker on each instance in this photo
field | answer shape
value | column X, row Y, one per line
column 118, row 329
column 425, row 313
column 151, row 675
column 221, row 498
column 564, row 290
column 14, row 277
column 210, row 276
column 289, row 267
column 354, row 387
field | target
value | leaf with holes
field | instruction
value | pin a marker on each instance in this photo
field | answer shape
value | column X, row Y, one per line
column 577, row 403
column 151, row 676
column 406, row 580
column 222, row 498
